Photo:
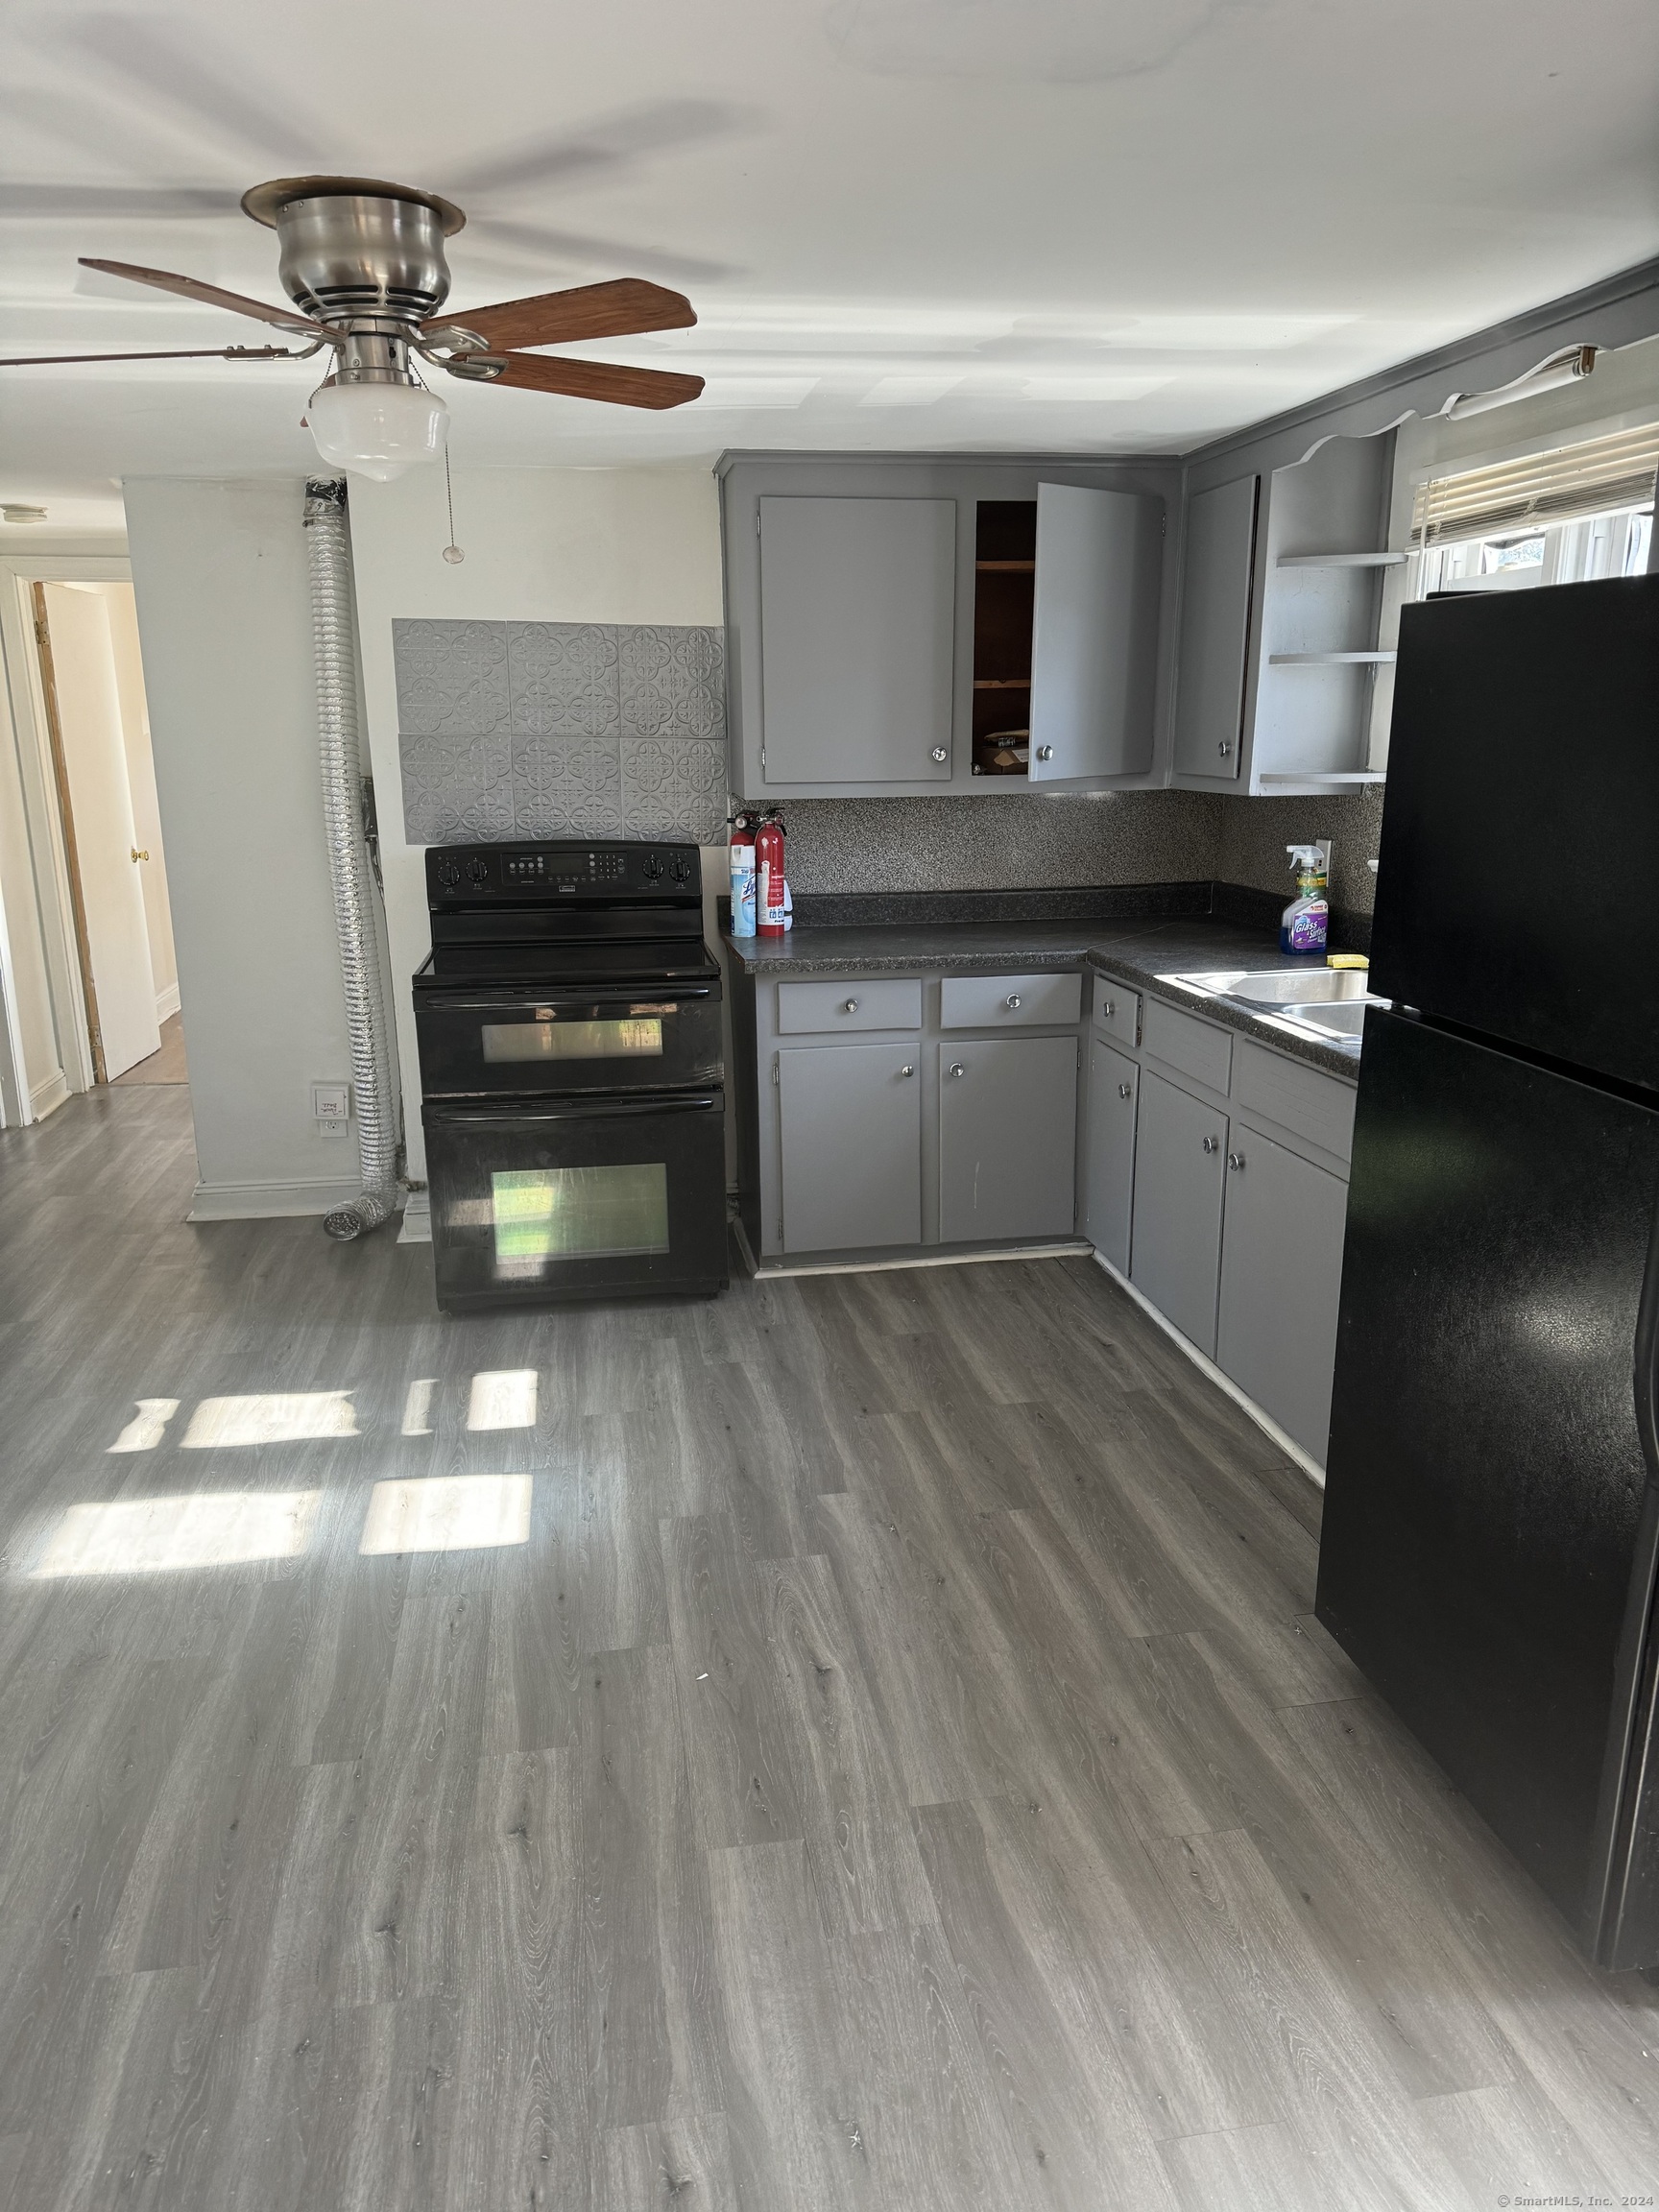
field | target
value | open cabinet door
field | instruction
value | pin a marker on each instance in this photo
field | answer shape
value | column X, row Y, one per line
column 1094, row 640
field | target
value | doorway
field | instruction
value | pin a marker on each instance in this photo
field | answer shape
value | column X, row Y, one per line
column 98, row 932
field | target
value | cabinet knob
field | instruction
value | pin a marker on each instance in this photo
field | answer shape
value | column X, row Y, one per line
column 1236, row 1162
column 906, row 1070
column 1109, row 1008
column 940, row 754
column 957, row 1069
column 1223, row 746
column 1123, row 1090
column 849, row 1005
column 1012, row 1001
column 1045, row 752
column 1212, row 1144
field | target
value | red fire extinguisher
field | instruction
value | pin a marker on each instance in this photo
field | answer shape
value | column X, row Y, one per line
column 770, row 893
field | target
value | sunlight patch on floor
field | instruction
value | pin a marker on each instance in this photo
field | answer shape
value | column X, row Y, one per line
column 270, row 1417
column 160, row 1535
column 147, row 1425
column 447, row 1513
column 503, row 1399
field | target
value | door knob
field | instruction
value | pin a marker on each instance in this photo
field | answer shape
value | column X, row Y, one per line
column 906, row 1070
column 1211, row 1144
column 136, row 854
column 1012, row 1001
column 1123, row 1090
column 957, row 1069
column 1236, row 1162
column 849, row 1005
column 1045, row 752
column 940, row 754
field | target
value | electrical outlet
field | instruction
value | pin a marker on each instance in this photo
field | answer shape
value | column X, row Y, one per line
column 331, row 1109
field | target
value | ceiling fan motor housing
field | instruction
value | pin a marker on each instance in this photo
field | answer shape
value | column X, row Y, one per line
column 356, row 250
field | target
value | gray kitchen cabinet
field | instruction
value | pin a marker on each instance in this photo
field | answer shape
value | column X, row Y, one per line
column 1216, row 580
column 1281, row 1277
column 1175, row 1242
column 1095, row 632
column 1109, row 1152
column 858, row 639
column 1007, row 1137
column 850, row 1118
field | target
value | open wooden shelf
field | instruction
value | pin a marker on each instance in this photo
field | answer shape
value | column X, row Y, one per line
column 1001, row 683
column 1009, row 567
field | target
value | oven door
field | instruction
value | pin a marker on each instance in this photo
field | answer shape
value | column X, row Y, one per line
column 478, row 1042
column 577, row 1198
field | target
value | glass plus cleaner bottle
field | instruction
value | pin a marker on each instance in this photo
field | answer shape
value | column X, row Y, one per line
column 1305, row 923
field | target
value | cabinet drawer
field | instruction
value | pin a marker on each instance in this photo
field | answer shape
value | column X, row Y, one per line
column 892, row 1003
column 1299, row 1098
column 1197, row 1048
column 1008, row 1001
column 1116, row 1010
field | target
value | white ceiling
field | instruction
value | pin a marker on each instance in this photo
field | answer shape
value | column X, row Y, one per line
column 1064, row 224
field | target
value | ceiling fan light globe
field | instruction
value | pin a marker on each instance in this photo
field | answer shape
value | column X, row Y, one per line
column 378, row 430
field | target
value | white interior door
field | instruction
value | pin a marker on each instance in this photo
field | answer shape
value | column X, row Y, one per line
column 105, row 841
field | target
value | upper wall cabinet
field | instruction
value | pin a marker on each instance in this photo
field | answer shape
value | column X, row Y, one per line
column 1218, row 570
column 916, row 626
column 1094, row 633
column 1279, row 619
column 857, row 636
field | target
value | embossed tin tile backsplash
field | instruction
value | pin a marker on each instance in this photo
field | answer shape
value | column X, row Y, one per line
column 561, row 728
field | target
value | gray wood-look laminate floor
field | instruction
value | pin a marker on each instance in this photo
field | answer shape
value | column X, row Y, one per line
column 889, row 1761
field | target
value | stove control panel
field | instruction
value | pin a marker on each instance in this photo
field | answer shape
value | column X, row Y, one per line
column 459, row 876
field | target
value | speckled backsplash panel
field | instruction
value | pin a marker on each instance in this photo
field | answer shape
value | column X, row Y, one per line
column 1022, row 842
column 561, row 729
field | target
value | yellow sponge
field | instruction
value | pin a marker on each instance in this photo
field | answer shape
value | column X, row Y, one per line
column 1346, row 960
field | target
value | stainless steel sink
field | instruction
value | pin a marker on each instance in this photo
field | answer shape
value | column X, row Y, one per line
column 1283, row 986
column 1346, row 1020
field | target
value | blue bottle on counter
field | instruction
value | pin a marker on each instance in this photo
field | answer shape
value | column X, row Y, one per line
column 1305, row 924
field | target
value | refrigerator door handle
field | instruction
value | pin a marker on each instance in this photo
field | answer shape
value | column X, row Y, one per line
column 1632, row 1750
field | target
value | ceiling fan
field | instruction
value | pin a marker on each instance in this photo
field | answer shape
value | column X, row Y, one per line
column 364, row 263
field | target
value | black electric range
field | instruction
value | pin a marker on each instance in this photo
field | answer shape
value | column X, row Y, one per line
column 573, row 1080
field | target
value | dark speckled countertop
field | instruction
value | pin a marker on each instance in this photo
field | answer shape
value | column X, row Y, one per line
column 1138, row 950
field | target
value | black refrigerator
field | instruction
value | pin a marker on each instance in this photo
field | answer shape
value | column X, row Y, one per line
column 1491, row 1512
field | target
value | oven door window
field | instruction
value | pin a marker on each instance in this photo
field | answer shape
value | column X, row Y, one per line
column 638, row 1038
column 548, row 1213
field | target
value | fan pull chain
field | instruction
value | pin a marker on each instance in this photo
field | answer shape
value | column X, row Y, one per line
column 452, row 552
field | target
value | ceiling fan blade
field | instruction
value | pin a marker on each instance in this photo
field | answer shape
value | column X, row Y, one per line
column 189, row 353
column 113, row 203
column 594, row 380
column 611, row 141
column 211, row 296
column 587, row 251
column 177, row 72
column 615, row 310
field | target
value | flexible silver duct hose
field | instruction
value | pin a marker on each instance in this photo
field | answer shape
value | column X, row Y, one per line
column 334, row 643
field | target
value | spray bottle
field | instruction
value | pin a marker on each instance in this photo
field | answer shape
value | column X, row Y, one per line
column 1305, row 923
column 742, row 852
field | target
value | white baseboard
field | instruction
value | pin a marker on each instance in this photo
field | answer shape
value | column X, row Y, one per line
column 269, row 1201
column 416, row 1226
column 46, row 1097
column 1266, row 1422
column 167, row 1002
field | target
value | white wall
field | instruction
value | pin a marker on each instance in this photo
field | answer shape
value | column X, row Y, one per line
column 224, row 618
column 541, row 545
column 29, row 1012
column 146, row 802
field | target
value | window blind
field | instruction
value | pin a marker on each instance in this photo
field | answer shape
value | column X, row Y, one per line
column 1560, row 485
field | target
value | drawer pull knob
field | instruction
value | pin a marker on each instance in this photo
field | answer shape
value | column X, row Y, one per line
column 1123, row 1090
column 1212, row 1144
column 1109, row 1008
column 906, row 1070
column 850, row 1006
column 1236, row 1162
column 957, row 1069
column 1012, row 1001
column 1045, row 752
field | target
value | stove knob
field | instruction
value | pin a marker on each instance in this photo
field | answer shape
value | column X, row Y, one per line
column 447, row 873
column 478, row 871
column 682, row 868
column 653, row 868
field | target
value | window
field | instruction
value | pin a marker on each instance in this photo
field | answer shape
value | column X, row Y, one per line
column 1566, row 515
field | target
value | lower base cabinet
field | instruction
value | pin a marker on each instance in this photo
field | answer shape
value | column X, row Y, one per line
column 1180, row 1173
column 1113, row 1083
column 1281, row 1277
column 850, row 1123
column 1007, row 1137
